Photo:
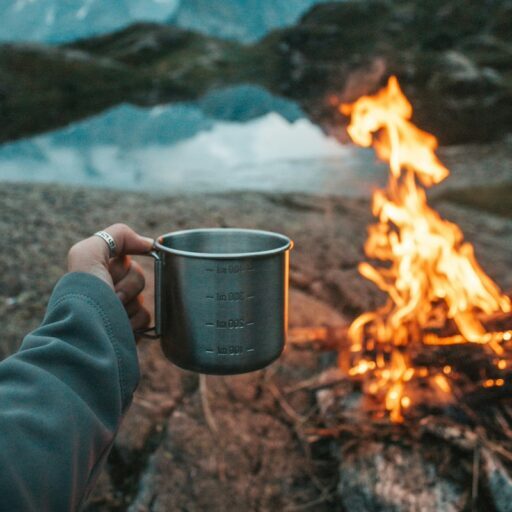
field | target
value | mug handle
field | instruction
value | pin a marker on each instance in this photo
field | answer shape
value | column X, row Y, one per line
column 155, row 331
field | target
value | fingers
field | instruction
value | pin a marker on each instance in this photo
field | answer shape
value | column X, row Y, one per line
column 138, row 314
column 127, row 241
column 133, row 306
column 119, row 267
column 92, row 255
column 131, row 284
column 128, row 287
column 140, row 320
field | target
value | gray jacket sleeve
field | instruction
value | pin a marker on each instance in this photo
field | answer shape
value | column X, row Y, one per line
column 62, row 397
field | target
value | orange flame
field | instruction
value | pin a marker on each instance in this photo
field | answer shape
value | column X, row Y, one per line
column 432, row 276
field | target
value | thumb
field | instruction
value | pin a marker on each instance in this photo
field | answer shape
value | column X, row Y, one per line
column 128, row 241
column 92, row 255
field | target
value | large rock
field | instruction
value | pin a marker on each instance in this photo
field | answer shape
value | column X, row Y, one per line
column 389, row 477
column 498, row 479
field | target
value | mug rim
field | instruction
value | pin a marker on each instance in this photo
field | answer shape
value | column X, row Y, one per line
column 287, row 244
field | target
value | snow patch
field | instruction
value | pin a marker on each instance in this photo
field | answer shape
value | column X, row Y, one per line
column 83, row 12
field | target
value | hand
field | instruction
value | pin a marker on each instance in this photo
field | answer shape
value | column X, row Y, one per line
column 122, row 274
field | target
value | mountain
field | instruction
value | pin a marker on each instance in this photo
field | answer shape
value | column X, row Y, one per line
column 57, row 21
column 453, row 60
column 241, row 20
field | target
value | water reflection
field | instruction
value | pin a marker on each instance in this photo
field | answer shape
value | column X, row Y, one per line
column 241, row 138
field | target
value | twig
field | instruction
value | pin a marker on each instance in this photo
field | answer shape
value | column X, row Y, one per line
column 212, row 425
column 287, row 408
column 208, row 416
column 499, row 449
column 334, row 432
column 304, row 506
column 503, row 423
column 313, row 384
column 146, row 404
column 476, row 478
column 303, row 384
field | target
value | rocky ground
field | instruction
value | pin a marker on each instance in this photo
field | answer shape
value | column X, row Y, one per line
column 246, row 442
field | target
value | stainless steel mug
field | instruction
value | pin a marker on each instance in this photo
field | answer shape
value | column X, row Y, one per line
column 221, row 298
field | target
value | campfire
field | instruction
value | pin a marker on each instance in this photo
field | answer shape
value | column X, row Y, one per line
column 437, row 293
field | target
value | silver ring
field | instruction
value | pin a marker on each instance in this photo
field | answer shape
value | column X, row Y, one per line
column 112, row 247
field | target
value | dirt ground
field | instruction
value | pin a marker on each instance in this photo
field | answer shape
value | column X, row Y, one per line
column 229, row 443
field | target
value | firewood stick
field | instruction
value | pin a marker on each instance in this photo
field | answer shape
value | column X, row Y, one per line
column 499, row 449
column 333, row 335
column 298, row 335
column 335, row 338
column 500, row 316
column 332, row 338
column 327, row 338
column 475, row 478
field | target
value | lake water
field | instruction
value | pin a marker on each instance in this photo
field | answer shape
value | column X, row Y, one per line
column 241, row 138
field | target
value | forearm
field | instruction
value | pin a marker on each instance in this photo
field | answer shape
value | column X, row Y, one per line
column 62, row 397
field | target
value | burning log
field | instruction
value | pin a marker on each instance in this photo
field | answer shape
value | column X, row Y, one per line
column 476, row 377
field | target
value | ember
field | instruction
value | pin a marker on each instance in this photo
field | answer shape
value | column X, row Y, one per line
column 433, row 281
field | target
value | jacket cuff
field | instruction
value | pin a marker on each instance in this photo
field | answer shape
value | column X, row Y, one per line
column 114, row 320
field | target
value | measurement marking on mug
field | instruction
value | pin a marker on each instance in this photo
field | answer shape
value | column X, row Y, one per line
column 231, row 323
column 230, row 350
column 234, row 268
column 229, row 297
